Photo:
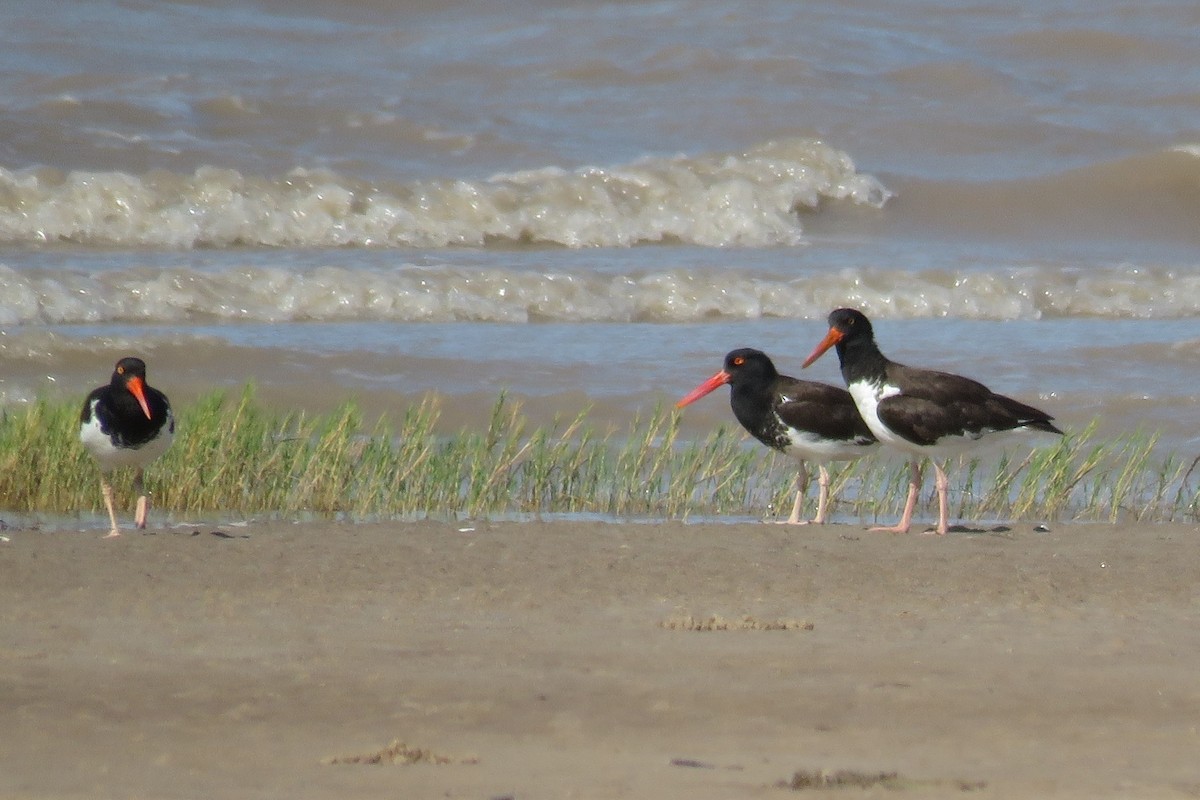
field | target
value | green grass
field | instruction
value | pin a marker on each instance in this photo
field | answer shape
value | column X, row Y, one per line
column 233, row 457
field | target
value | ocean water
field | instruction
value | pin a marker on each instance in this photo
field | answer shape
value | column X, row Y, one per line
column 590, row 203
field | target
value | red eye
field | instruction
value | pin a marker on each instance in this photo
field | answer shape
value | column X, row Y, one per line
column 737, row 362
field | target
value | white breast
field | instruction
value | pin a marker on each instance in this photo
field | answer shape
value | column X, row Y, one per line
column 867, row 397
column 110, row 457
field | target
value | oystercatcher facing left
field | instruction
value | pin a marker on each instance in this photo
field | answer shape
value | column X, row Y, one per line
column 126, row 424
column 919, row 411
column 808, row 421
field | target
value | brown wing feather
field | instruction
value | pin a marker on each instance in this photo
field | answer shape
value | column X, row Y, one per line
column 937, row 404
column 825, row 410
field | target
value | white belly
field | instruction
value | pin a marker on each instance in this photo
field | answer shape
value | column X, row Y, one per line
column 100, row 445
column 807, row 446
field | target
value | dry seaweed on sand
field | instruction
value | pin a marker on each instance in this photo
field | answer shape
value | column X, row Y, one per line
column 808, row 780
column 744, row 623
column 399, row 753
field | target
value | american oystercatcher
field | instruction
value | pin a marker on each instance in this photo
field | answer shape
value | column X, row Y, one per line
column 126, row 424
column 806, row 420
column 919, row 411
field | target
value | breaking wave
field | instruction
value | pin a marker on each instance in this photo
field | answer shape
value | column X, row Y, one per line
column 749, row 198
column 493, row 294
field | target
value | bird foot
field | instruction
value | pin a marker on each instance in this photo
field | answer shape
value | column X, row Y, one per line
column 113, row 534
column 891, row 529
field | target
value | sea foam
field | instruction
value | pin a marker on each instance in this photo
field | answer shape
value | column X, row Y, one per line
column 421, row 293
column 746, row 198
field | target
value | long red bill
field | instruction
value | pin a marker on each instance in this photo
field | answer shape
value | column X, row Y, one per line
column 720, row 379
column 138, row 390
column 833, row 337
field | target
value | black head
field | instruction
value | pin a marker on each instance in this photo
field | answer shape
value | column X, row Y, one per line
column 129, row 368
column 845, row 325
column 743, row 367
column 130, row 375
column 850, row 322
column 747, row 365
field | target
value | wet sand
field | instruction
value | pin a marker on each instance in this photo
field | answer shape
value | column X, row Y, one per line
column 556, row 660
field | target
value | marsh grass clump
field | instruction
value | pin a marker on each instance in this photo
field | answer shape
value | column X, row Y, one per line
column 43, row 466
column 232, row 456
column 1080, row 476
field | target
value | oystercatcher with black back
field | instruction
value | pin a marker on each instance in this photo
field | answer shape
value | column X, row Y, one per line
column 126, row 423
column 921, row 412
column 806, row 420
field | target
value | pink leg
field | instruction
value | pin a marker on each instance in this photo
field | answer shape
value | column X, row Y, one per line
column 106, row 490
column 139, row 517
column 822, row 496
column 943, row 490
column 914, row 488
column 801, row 490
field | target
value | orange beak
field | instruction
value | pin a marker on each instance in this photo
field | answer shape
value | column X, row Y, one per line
column 138, row 390
column 720, row 379
column 833, row 337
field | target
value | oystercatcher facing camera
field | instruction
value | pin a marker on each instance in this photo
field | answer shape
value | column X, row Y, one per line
column 919, row 411
column 126, row 424
column 806, row 420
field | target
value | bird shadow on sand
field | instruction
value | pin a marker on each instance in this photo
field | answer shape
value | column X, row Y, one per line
column 218, row 533
column 994, row 530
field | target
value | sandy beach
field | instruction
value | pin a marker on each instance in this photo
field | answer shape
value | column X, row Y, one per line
column 590, row 660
